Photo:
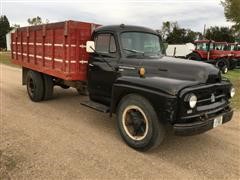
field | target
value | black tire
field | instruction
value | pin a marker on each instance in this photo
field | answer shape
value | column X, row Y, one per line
column 232, row 64
column 48, row 86
column 194, row 56
column 223, row 65
column 35, row 86
column 154, row 131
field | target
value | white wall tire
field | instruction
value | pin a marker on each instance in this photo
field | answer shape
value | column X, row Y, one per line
column 129, row 127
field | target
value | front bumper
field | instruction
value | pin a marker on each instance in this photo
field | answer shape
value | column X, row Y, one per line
column 201, row 125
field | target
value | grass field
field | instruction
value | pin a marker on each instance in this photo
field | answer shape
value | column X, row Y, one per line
column 5, row 58
column 233, row 75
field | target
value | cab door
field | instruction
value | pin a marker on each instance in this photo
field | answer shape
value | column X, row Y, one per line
column 102, row 65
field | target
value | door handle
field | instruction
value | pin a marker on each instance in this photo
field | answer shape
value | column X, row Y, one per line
column 91, row 65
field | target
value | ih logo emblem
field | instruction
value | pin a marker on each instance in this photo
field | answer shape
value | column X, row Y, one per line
column 213, row 98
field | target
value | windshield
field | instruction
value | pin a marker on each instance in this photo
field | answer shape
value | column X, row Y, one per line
column 234, row 47
column 220, row 47
column 204, row 46
column 231, row 47
column 139, row 44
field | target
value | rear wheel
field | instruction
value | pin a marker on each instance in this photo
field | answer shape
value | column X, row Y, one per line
column 233, row 64
column 48, row 86
column 138, row 123
column 35, row 86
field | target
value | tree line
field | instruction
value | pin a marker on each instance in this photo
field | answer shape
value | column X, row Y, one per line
column 170, row 32
column 5, row 27
column 173, row 34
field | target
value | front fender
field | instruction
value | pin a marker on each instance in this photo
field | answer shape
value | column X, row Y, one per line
column 164, row 104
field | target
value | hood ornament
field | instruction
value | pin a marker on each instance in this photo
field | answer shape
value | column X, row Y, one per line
column 213, row 98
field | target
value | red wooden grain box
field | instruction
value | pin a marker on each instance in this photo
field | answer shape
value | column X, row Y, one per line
column 57, row 49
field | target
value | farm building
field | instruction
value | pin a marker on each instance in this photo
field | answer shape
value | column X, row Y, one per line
column 8, row 39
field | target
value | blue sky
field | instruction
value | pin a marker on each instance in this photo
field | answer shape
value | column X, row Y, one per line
column 189, row 13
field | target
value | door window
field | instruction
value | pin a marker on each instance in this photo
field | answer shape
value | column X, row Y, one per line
column 105, row 43
column 112, row 45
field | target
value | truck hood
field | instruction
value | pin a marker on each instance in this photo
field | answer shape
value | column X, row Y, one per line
column 172, row 74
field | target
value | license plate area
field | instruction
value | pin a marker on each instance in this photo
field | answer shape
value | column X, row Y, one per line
column 217, row 121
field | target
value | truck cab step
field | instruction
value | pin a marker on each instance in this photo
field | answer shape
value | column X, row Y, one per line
column 95, row 105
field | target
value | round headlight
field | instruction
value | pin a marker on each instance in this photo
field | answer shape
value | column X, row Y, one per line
column 192, row 100
column 232, row 92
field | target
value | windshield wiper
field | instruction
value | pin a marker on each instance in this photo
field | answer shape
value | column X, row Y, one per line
column 134, row 51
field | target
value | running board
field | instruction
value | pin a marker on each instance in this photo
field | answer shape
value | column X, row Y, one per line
column 95, row 105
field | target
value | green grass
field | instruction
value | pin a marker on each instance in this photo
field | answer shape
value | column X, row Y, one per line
column 233, row 76
column 5, row 58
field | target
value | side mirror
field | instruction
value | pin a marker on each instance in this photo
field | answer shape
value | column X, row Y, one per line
column 90, row 46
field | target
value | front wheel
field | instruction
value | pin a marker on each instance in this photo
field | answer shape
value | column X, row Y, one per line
column 225, row 70
column 138, row 123
column 223, row 65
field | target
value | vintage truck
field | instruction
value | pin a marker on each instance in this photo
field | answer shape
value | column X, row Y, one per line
column 122, row 69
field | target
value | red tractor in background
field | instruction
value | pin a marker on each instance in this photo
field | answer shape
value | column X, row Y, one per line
column 235, row 50
column 213, row 52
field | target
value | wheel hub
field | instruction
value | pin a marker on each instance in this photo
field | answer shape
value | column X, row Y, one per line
column 135, row 123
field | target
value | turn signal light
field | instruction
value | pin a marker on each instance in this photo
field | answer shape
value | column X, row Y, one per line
column 142, row 71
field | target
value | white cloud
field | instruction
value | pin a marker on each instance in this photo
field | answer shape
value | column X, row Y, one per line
column 189, row 13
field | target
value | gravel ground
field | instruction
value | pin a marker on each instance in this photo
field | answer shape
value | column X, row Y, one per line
column 60, row 139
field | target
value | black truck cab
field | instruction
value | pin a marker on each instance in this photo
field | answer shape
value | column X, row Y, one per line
column 128, row 73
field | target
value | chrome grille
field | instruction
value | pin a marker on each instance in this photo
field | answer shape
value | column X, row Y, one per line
column 210, row 96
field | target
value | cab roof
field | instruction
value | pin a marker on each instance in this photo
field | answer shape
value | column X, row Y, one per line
column 221, row 43
column 203, row 41
column 124, row 28
column 207, row 41
column 233, row 43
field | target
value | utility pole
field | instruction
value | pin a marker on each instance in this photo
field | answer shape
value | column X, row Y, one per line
column 204, row 31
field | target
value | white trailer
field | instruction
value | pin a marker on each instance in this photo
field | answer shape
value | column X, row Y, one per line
column 8, row 39
column 180, row 50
